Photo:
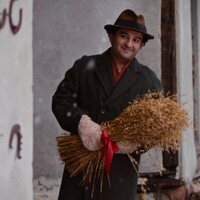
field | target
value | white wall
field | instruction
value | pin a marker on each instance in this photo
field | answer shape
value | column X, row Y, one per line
column 187, row 153
column 16, row 103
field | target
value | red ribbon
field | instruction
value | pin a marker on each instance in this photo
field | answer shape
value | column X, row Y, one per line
column 108, row 149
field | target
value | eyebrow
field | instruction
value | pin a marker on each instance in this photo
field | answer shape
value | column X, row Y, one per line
column 124, row 33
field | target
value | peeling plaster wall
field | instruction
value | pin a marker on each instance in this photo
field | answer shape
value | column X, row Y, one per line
column 16, row 103
column 64, row 31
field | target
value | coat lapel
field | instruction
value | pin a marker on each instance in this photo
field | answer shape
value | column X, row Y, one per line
column 104, row 73
column 129, row 78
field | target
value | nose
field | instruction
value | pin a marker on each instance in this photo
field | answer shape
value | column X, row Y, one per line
column 129, row 43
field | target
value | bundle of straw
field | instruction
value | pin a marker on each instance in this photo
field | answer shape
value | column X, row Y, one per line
column 151, row 120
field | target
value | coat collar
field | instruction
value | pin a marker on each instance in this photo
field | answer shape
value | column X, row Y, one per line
column 104, row 74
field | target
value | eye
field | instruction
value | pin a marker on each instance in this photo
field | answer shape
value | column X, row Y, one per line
column 137, row 40
column 123, row 36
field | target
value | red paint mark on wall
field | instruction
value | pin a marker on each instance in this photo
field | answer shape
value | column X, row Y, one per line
column 16, row 131
column 8, row 14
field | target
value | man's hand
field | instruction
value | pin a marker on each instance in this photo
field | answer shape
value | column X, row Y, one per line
column 126, row 147
column 90, row 133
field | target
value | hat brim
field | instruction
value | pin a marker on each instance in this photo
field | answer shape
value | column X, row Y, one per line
column 110, row 28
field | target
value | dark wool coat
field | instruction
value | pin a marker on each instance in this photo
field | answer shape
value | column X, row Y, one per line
column 88, row 89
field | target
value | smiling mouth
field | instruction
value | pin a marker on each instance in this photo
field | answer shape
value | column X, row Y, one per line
column 126, row 50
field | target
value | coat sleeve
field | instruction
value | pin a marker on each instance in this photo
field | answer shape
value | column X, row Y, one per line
column 65, row 101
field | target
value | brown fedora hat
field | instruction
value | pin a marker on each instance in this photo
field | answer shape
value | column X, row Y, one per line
column 129, row 20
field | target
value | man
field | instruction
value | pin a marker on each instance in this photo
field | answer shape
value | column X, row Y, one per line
column 97, row 89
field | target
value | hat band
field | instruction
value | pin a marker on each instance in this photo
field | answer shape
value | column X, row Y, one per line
column 130, row 24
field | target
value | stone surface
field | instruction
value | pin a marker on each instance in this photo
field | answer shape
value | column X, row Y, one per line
column 46, row 188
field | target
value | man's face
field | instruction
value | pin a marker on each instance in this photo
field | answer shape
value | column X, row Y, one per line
column 125, row 44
